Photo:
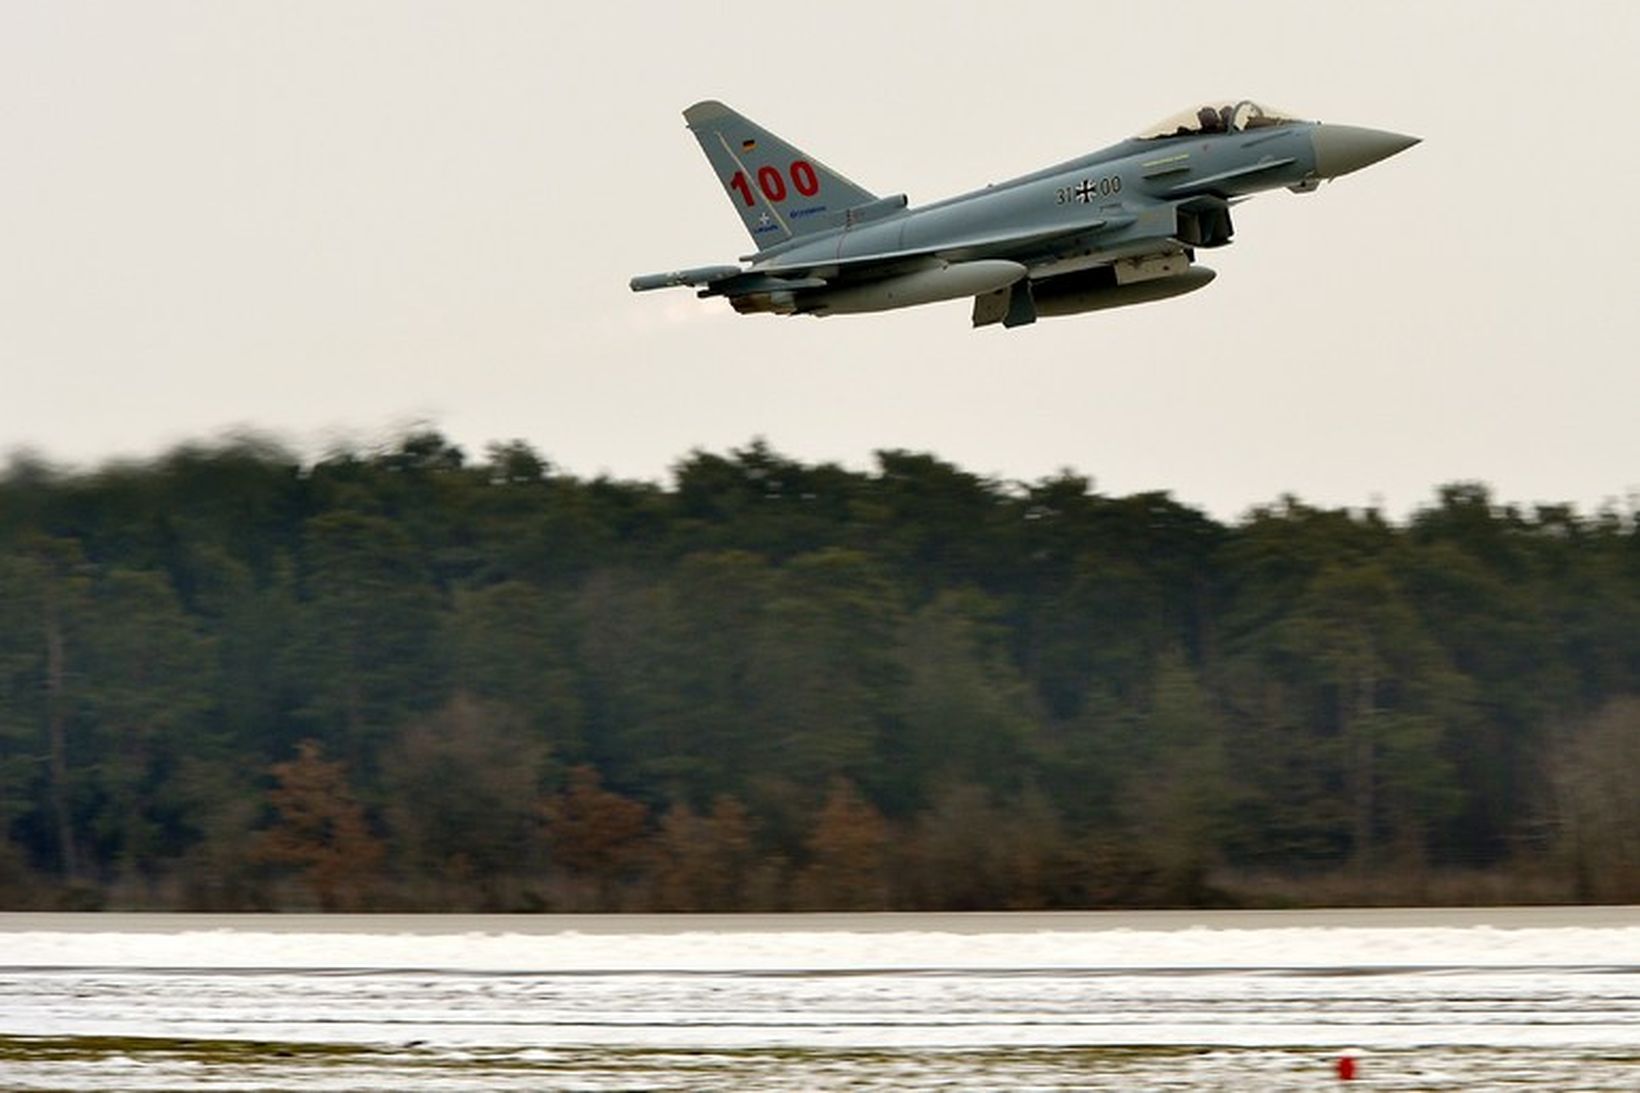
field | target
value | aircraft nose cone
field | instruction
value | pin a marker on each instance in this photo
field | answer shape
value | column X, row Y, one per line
column 1340, row 149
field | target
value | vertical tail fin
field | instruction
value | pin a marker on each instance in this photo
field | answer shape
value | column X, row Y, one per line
column 779, row 191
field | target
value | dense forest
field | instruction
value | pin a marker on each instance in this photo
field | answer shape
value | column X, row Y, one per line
column 411, row 679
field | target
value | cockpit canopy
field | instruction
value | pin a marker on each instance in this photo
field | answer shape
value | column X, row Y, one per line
column 1217, row 117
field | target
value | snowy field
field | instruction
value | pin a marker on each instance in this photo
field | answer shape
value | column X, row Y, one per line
column 1539, row 998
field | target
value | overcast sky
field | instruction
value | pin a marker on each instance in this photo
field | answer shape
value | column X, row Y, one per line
column 324, row 221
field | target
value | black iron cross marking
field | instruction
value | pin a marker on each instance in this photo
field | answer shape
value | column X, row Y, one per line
column 1086, row 190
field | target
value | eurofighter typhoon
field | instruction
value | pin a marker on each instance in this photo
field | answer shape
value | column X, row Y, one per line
column 1119, row 226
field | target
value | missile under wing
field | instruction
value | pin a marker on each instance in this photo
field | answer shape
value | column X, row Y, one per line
column 1118, row 226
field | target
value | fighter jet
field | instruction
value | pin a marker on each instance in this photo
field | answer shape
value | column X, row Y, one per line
column 1118, row 226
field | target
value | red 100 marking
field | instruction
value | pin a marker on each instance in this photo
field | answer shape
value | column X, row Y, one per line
column 769, row 180
column 804, row 178
column 772, row 185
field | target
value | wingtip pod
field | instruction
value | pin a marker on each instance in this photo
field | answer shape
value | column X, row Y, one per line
column 701, row 275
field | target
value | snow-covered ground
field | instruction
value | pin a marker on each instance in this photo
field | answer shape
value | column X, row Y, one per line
column 763, row 943
column 1483, row 999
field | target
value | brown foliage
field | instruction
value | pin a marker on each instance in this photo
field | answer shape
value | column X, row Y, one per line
column 848, row 866
column 705, row 863
column 322, row 829
column 593, row 831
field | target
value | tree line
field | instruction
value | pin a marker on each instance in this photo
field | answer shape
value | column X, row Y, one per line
column 410, row 679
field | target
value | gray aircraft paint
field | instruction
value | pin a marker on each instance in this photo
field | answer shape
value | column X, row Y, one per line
column 1115, row 227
